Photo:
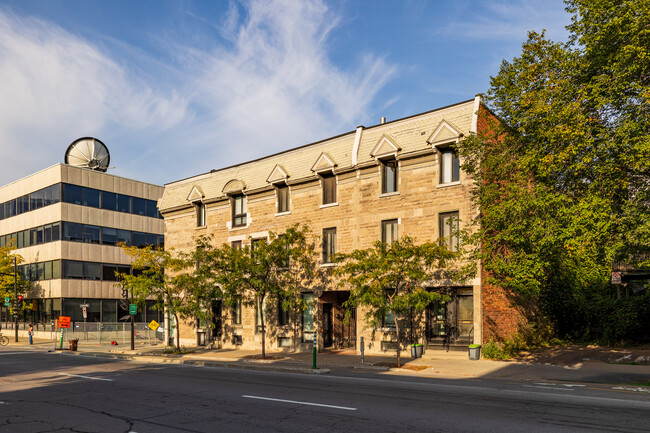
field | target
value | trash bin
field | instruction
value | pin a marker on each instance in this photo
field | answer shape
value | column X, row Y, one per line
column 73, row 344
column 416, row 350
column 474, row 352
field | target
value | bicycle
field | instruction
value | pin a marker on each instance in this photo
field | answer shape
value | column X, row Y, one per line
column 3, row 340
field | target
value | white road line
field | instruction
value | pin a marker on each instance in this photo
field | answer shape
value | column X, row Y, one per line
column 299, row 402
column 549, row 387
column 86, row 377
column 12, row 353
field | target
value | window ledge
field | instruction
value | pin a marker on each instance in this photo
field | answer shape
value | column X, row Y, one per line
column 239, row 228
column 283, row 213
column 444, row 185
column 200, row 228
column 389, row 194
column 329, row 205
column 327, row 265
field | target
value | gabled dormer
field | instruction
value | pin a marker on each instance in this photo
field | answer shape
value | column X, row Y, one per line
column 324, row 163
column 386, row 147
column 278, row 175
column 445, row 132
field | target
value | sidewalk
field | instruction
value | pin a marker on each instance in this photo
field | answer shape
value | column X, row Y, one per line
column 433, row 364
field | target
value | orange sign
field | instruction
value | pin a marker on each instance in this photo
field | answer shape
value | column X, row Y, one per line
column 64, row 322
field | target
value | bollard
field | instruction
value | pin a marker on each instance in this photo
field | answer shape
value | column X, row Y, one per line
column 361, row 350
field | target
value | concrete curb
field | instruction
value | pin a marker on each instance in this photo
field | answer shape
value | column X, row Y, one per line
column 152, row 359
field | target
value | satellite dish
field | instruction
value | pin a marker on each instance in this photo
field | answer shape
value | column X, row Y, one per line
column 88, row 152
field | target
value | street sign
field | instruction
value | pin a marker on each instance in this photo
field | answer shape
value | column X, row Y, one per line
column 133, row 309
column 154, row 325
column 616, row 277
column 64, row 322
column 7, row 302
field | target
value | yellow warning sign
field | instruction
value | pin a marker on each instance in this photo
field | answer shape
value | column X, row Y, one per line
column 154, row 325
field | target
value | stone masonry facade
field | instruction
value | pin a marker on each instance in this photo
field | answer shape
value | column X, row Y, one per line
column 417, row 145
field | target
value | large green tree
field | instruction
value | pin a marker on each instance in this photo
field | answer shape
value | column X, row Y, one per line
column 276, row 268
column 390, row 278
column 167, row 277
column 562, row 179
column 7, row 275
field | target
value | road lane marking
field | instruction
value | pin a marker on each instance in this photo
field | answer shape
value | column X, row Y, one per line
column 12, row 353
column 548, row 387
column 86, row 377
column 299, row 402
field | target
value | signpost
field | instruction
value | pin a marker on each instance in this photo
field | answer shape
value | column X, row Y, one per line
column 133, row 310
column 64, row 322
column 616, row 278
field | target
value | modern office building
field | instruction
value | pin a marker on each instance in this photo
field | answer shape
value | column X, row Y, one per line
column 373, row 183
column 66, row 222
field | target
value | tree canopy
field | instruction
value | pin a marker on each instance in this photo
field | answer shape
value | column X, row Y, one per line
column 563, row 180
column 389, row 278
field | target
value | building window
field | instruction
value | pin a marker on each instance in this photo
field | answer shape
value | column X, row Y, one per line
column 236, row 245
column 329, row 188
column 449, row 235
column 283, row 198
column 449, row 165
column 308, row 317
column 236, row 312
column 389, row 170
column 283, row 314
column 329, row 244
column 239, row 211
column 200, row 215
column 389, row 231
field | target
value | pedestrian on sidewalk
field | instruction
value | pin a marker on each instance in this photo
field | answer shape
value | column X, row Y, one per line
column 30, row 332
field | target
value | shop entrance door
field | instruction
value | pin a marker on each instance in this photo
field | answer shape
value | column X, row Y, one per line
column 451, row 323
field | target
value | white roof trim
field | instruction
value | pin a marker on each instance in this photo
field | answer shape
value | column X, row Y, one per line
column 234, row 186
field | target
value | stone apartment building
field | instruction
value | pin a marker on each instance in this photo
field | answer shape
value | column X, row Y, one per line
column 380, row 182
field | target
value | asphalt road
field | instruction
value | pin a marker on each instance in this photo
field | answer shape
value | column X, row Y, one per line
column 53, row 392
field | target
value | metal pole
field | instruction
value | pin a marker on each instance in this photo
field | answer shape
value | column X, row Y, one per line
column 132, row 327
column 16, row 298
column 315, row 345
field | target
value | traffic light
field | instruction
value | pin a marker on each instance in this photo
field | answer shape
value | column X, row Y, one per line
column 18, row 302
column 125, row 293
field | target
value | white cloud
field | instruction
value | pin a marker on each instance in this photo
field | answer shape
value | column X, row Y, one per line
column 511, row 20
column 270, row 87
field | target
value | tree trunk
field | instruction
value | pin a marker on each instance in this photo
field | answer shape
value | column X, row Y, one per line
column 261, row 301
column 399, row 362
column 178, row 332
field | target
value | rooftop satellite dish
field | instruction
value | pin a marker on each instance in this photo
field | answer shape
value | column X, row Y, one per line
column 88, row 152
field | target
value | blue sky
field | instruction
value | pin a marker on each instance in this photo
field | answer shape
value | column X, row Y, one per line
column 177, row 88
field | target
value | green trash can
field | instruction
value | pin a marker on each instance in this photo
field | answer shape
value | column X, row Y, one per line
column 474, row 352
column 416, row 350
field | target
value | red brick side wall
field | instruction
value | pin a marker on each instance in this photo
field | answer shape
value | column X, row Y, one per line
column 500, row 318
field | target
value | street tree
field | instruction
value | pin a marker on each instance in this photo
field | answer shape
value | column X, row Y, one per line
column 276, row 268
column 562, row 176
column 167, row 277
column 7, row 274
column 391, row 278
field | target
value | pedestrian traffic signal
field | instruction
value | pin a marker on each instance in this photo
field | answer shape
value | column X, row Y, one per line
column 125, row 293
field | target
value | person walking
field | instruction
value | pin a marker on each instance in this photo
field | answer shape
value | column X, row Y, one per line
column 31, row 333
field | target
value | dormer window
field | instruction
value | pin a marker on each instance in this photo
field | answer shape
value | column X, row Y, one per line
column 282, row 191
column 389, row 173
column 449, row 165
column 328, row 181
column 200, row 214
column 239, row 210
